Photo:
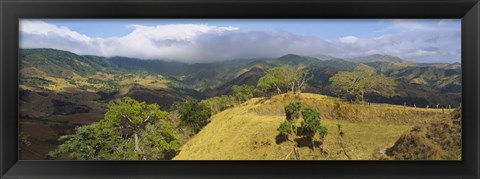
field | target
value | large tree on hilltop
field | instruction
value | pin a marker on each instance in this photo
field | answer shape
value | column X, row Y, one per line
column 359, row 83
column 284, row 79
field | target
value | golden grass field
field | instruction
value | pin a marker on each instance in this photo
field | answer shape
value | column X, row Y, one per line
column 249, row 131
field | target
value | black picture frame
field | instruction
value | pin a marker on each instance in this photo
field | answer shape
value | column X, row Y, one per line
column 12, row 10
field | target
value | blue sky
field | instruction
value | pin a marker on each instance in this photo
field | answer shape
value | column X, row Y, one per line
column 203, row 40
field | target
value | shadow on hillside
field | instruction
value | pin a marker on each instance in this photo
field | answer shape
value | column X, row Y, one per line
column 281, row 138
column 306, row 142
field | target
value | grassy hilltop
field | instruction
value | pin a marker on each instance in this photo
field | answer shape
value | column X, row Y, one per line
column 249, row 131
column 60, row 91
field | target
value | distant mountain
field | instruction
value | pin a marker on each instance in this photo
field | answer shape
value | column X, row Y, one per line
column 60, row 90
column 250, row 77
column 49, row 70
column 420, row 84
column 324, row 57
column 57, row 63
column 295, row 61
column 375, row 58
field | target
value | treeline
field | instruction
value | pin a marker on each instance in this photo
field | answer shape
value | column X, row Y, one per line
column 133, row 130
column 130, row 130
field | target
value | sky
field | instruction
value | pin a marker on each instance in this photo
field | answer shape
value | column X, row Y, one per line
column 211, row 40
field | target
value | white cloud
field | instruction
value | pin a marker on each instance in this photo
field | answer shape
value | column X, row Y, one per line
column 38, row 27
column 205, row 43
column 348, row 39
column 443, row 22
column 422, row 53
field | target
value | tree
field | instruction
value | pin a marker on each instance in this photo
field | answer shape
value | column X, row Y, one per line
column 358, row 83
column 285, row 129
column 242, row 92
column 302, row 75
column 292, row 113
column 193, row 113
column 130, row 130
column 311, row 125
column 272, row 80
column 220, row 103
column 284, row 79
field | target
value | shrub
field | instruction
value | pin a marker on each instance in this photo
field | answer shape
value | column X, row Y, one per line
column 243, row 92
column 219, row 103
column 292, row 111
column 193, row 113
column 130, row 130
column 285, row 128
column 311, row 125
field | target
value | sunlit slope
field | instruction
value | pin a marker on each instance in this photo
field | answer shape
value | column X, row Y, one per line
column 249, row 131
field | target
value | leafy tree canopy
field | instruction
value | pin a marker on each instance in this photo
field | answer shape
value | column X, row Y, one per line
column 130, row 130
column 311, row 125
column 193, row 113
column 358, row 83
column 284, row 79
column 243, row 92
column 292, row 111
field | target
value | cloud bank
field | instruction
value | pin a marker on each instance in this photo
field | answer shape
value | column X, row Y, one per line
column 196, row 43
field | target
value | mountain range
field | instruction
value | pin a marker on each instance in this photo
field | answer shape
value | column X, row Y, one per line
column 87, row 82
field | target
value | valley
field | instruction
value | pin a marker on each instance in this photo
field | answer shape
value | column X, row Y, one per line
column 60, row 91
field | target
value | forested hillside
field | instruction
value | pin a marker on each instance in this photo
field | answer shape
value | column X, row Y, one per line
column 64, row 93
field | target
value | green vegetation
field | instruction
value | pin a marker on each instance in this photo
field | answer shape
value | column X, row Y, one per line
column 193, row 113
column 109, row 89
column 243, row 92
column 57, row 86
column 311, row 125
column 285, row 129
column 357, row 84
column 258, row 120
column 220, row 103
column 130, row 130
column 284, row 79
column 292, row 113
column 95, row 81
column 35, row 81
column 271, row 81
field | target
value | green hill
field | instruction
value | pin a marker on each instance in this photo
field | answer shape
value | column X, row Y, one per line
column 60, row 90
column 420, row 84
column 375, row 58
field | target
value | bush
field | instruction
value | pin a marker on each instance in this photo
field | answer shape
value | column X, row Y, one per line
column 35, row 81
column 311, row 125
column 95, row 81
column 193, row 113
column 285, row 128
column 292, row 111
column 311, row 119
column 323, row 131
column 243, row 92
column 219, row 103
column 130, row 130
